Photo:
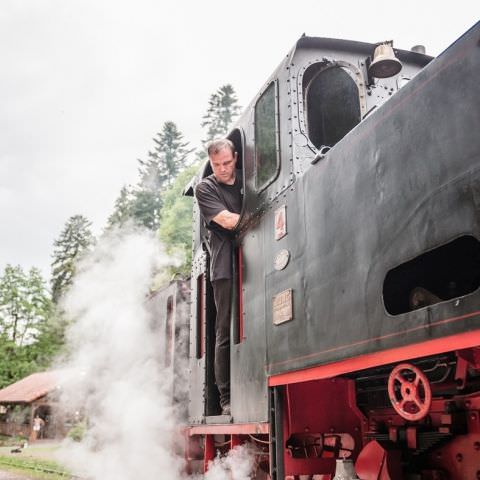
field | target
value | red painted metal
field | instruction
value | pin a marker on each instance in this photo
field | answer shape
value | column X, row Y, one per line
column 320, row 424
column 413, row 400
column 209, row 451
column 229, row 429
column 472, row 356
column 430, row 347
column 412, row 443
column 461, row 371
column 377, row 463
column 234, row 441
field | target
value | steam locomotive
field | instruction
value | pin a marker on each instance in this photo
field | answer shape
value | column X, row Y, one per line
column 355, row 344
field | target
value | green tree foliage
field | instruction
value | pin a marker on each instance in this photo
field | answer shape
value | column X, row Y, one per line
column 143, row 202
column 28, row 339
column 176, row 220
column 222, row 110
column 22, row 305
column 145, row 208
column 74, row 241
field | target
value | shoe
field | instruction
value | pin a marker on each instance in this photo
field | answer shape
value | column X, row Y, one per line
column 226, row 409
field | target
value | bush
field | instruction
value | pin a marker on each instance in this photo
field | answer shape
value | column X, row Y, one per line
column 77, row 432
column 7, row 441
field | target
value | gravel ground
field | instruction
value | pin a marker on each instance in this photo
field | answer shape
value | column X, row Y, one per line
column 12, row 476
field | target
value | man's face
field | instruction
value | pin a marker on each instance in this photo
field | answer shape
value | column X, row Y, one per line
column 223, row 165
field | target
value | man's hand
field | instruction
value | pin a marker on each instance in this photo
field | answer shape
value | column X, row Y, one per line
column 226, row 219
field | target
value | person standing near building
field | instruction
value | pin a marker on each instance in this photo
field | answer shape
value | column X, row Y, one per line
column 38, row 426
column 219, row 198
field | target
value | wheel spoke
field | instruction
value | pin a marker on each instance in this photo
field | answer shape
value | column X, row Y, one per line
column 418, row 402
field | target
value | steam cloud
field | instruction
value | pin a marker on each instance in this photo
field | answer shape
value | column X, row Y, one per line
column 237, row 465
column 114, row 376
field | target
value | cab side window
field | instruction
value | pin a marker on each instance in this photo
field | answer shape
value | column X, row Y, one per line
column 266, row 135
column 333, row 106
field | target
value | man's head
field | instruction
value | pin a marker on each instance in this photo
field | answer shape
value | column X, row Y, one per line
column 223, row 159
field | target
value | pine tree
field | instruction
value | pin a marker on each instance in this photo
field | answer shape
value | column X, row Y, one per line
column 25, row 313
column 13, row 309
column 222, row 110
column 145, row 208
column 122, row 210
column 74, row 241
column 168, row 158
column 143, row 202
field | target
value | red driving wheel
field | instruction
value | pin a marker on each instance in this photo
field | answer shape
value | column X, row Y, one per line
column 409, row 391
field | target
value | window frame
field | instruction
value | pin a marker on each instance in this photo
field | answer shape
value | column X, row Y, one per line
column 354, row 73
column 273, row 177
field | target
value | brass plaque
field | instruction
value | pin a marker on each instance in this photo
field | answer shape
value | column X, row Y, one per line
column 283, row 307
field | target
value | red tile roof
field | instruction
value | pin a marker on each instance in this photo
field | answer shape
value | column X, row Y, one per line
column 30, row 388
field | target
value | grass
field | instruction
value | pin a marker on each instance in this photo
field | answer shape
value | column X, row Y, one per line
column 36, row 461
column 34, row 467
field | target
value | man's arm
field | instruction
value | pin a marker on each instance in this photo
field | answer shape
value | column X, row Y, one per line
column 226, row 219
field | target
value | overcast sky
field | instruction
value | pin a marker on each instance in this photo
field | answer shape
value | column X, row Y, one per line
column 86, row 84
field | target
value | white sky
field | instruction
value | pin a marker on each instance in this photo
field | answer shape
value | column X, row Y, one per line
column 86, row 84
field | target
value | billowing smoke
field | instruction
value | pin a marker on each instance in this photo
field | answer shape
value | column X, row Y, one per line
column 115, row 381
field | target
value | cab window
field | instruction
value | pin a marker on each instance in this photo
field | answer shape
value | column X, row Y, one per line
column 332, row 106
column 266, row 135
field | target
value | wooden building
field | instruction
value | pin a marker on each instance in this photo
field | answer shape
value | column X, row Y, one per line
column 22, row 401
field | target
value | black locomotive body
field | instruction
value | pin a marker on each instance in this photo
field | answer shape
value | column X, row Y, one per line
column 356, row 305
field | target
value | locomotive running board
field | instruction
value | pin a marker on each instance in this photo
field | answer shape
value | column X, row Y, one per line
column 230, row 428
column 430, row 347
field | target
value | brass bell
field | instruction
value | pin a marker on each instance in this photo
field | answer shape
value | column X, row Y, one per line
column 385, row 64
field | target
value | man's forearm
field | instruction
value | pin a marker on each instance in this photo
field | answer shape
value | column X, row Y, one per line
column 227, row 219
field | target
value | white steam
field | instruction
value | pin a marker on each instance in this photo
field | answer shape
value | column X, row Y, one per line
column 115, row 377
column 237, row 465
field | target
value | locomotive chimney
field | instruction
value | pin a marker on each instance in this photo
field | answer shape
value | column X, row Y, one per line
column 419, row 49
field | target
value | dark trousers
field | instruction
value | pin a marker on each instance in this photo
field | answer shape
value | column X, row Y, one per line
column 222, row 291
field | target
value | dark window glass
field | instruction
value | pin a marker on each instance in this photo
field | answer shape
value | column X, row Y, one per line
column 201, row 315
column 168, row 332
column 265, row 138
column 333, row 106
column 449, row 271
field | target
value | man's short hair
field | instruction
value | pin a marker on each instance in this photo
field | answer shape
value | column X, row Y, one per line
column 219, row 144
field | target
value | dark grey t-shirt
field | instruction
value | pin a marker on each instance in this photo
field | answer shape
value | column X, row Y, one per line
column 214, row 197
